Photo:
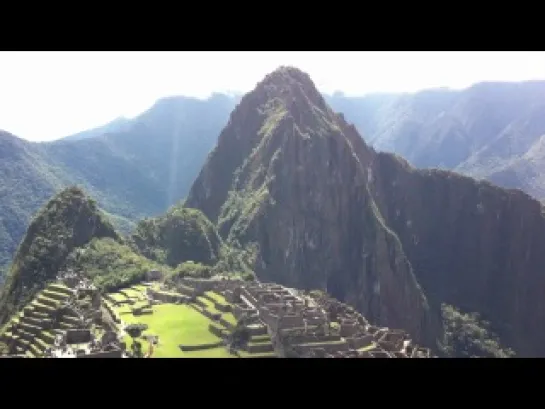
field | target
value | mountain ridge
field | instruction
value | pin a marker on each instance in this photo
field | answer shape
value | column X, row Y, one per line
column 490, row 130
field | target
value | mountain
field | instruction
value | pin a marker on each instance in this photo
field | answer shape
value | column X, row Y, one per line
column 295, row 183
column 289, row 176
column 137, row 170
column 489, row 131
column 68, row 221
column 117, row 125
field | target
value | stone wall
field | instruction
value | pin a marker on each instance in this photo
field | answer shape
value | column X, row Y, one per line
column 154, row 275
column 187, row 348
column 167, row 297
column 360, row 342
column 78, row 336
column 104, row 354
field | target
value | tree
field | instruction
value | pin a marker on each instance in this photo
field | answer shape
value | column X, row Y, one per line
column 240, row 336
column 468, row 336
column 135, row 331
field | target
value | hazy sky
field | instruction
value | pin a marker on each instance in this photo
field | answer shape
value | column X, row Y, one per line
column 47, row 95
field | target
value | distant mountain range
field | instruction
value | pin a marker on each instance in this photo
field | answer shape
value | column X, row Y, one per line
column 492, row 130
column 118, row 125
column 134, row 168
column 139, row 167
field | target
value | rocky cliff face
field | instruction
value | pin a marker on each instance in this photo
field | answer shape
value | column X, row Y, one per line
column 471, row 244
column 291, row 178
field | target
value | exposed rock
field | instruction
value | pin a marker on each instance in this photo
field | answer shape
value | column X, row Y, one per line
column 472, row 245
column 291, row 176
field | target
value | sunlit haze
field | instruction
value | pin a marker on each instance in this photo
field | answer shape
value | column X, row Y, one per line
column 47, row 95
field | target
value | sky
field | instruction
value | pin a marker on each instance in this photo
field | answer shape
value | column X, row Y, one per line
column 49, row 95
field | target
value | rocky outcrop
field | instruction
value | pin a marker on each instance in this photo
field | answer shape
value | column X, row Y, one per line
column 291, row 177
column 471, row 244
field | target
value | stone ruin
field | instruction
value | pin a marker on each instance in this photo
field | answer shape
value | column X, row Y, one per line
column 302, row 326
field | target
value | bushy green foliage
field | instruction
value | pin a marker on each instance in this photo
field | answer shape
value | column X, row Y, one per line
column 182, row 234
column 110, row 264
column 194, row 270
column 188, row 269
column 69, row 220
column 236, row 261
column 135, row 330
column 467, row 336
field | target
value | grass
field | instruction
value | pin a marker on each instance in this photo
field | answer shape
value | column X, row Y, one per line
column 368, row 347
column 177, row 324
column 216, row 297
column 118, row 297
column 227, row 316
column 132, row 293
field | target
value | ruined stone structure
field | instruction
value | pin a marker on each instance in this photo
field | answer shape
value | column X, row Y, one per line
column 280, row 322
column 154, row 275
column 303, row 326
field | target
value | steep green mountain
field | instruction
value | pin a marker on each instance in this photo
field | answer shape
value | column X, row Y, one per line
column 25, row 183
column 288, row 179
column 294, row 182
column 490, row 130
column 68, row 221
column 136, row 170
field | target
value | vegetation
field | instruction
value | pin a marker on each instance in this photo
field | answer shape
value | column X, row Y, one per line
column 111, row 264
column 240, row 336
column 135, row 331
column 467, row 336
column 175, row 325
column 67, row 221
column 190, row 269
column 236, row 261
column 182, row 234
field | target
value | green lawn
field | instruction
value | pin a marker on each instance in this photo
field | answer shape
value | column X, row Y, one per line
column 175, row 325
column 216, row 297
column 118, row 297
column 227, row 316
column 132, row 293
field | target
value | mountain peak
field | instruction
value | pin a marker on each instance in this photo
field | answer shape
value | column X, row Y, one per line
column 288, row 182
column 292, row 86
column 284, row 74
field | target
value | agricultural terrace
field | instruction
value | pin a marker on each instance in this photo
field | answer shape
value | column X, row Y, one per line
column 187, row 324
